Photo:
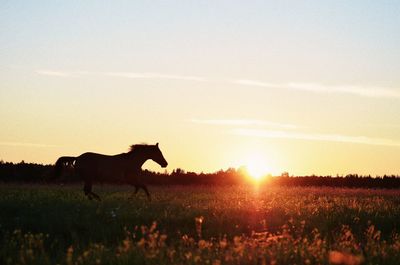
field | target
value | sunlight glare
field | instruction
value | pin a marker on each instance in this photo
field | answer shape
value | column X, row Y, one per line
column 256, row 167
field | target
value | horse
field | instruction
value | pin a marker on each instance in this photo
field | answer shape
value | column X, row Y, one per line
column 92, row 167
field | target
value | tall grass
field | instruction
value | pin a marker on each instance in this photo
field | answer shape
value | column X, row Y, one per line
column 199, row 225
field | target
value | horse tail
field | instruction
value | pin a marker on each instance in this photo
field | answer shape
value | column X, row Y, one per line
column 60, row 163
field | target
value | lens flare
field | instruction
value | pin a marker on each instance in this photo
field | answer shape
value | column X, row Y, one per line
column 256, row 166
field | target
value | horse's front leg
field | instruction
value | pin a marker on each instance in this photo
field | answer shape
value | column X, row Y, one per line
column 139, row 186
column 136, row 188
column 134, row 181
column 145, row 190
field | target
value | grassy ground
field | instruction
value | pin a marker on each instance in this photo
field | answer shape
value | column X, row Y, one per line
column 199, row 225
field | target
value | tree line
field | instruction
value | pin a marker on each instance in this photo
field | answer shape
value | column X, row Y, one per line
column 39, row 173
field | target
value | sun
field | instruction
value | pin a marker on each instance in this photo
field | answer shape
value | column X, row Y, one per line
column 256, row 166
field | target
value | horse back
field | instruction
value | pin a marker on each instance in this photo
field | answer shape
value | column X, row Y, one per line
column 99, row 166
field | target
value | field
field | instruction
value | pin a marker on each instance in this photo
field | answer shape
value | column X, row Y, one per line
column 50, row 224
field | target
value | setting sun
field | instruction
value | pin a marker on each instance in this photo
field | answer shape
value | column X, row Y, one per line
column 256, row 166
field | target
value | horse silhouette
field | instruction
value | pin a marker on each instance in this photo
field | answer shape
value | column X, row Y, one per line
column 92, row 167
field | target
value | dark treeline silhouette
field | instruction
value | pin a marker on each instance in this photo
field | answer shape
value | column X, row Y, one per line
column 38, row 173
column 24, row 172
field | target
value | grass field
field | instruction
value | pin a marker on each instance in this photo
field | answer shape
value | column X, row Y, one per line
column 42, row 224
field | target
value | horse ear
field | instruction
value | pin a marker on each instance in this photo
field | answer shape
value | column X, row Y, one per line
column 157, row 144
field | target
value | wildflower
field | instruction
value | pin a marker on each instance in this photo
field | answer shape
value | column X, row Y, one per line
column 171, row 254
column 162, row 240
column 141, row 243
column 203, row 244
column 188, row 255
column 199, row 221
column 223, row 243
column 185, row 238
column 153, row 227
column 336, row 257
column 127, row 245
column 239, row 245
column 70, row 252
column 216, row 262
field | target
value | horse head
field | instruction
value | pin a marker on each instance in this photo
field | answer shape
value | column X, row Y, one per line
column 157, row 156
column 140, row 153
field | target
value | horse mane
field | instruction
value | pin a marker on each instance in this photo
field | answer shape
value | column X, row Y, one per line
column 135, row 147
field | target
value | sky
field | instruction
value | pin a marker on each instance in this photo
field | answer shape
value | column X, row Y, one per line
column 307, row 87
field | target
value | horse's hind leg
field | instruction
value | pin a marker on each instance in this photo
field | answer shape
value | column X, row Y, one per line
column 89, row 193
column 87, row 188
column 146, row 190
column 97, row 197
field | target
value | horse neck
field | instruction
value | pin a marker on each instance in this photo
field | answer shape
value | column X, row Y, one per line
column 140, row 158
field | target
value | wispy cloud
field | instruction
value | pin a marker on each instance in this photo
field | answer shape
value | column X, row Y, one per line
column 316, row 137
column 134, row 75
column 363, row 91
column 16, row 144
column 131, row 75
column 244, row 122
column 373, row 92
column 53, row 73
column 248, row 82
